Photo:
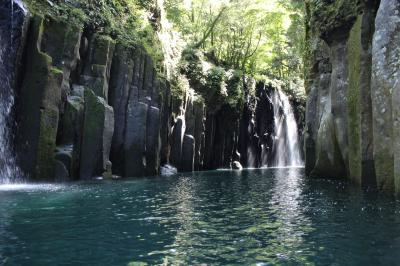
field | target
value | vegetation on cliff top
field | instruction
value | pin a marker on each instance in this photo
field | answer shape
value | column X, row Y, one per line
column 128, row 21
column 255, row 36
column 258, row 38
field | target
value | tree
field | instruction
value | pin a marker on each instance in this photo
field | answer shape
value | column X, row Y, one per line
column 254, row 36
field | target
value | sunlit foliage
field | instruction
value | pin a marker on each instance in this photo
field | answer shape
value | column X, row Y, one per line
column 258, row 37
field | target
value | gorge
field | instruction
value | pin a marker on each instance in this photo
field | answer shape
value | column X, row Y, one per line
column 199, row 132
column 91, row 106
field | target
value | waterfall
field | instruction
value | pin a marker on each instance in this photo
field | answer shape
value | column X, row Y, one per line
column 9, row 170
column 286, row 151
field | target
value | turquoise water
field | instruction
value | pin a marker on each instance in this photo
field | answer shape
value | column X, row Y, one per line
column 254, row 217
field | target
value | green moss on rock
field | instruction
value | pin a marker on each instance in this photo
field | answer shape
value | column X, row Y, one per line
column 329, row 18
column 50, row 52
column 123, row 20
column 97, row 133
column 353, row 103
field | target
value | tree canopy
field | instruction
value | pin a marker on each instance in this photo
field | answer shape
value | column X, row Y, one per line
column 258, row 37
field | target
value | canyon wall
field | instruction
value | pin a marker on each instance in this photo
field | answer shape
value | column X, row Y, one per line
column 353, row 72
column 88, row 105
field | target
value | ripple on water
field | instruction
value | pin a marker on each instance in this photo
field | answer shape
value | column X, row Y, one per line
column 252, row 217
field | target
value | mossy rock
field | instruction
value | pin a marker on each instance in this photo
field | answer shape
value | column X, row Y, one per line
column 103, row 50
column 98, row 128
column 332, row 18
column 329, row 161
column 98, row 65
column 353, row 102
column 39, row 98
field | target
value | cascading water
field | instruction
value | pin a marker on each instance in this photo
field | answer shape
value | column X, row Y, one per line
column 9, row 171
column 285, row 149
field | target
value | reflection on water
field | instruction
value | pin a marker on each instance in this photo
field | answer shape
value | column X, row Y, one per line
column 29, row 187
column 251, row 217
column 286, row 205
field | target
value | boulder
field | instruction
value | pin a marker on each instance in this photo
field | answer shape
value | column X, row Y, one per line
column 168, row 170
column 236, row 165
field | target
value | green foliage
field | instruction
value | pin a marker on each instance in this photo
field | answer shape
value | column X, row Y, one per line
column 192, row 66
column 179, row 87
column 327, row 15
column 235, row 87
column 125, row 20
column 254, row 36
column 216, row 85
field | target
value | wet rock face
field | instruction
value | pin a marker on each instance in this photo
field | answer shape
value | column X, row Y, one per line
column 257, row 129
column 352, row 116
column 14, row 21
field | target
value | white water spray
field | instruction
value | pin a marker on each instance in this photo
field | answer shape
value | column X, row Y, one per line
column 9, row 171
column 12, row 23
column 286, row 140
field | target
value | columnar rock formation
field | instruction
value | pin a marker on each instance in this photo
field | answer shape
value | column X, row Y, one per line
column 353, row 75
column 89, row 105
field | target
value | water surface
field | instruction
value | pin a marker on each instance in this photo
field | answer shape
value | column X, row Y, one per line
column 253, row 217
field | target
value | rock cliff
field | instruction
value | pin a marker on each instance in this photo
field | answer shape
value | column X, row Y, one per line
column 89, row 105
column 353, row 73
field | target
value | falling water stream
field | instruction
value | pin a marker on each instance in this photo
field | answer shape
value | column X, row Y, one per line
column 285, row 148
column 9, row 171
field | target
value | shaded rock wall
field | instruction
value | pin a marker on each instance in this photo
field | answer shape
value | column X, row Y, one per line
column 51, row 50
column 353, row 74
column 72, row 83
